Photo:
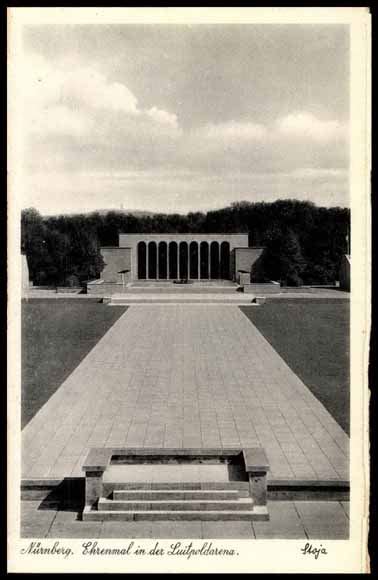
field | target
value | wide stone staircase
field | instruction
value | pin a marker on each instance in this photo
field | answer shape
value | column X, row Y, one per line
column 173, row 501
column 179, row 298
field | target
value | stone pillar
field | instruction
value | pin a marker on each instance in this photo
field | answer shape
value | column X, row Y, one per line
column 256, row 466
column 157, row 260
column 209, row 254
column 178, row 259
column 168, row 254
column 167, row 259
column 147, row 272
column 94, row 466
column 258, row 487
column 93, row 487
column 199, row 260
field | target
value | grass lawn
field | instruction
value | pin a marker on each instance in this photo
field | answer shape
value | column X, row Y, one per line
column 313, row 339
column 56, row 336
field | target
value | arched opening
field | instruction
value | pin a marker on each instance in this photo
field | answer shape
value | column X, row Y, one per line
column 214, row 260
column 142, row 261
column 204, row 260
column 163, row 260
column 173, row 260
column 152, row 256
column 225, row 260
column 183, row 260
column 193, row 249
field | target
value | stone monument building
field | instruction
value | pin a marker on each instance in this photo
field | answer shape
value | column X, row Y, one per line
column 169, row 257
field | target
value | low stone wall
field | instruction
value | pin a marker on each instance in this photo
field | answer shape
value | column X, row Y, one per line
column 101, row 288
column 24, row 272
column 344, row 273
column 262, row 288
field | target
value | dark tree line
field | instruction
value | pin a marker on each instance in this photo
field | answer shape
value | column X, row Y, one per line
column 304, row 242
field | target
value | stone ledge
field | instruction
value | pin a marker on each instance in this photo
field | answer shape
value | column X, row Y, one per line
column 99, row 458
column 255, row 459
column 256, row 288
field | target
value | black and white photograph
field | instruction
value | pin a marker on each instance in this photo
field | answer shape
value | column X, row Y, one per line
column 189, row 287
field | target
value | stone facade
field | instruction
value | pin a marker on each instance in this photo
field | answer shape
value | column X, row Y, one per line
column 116, row 260
column 203, row 254
column 247, row 265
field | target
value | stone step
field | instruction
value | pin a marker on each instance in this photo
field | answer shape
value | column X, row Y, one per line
column 242, row 504
column 258, row 513
column 175, row 494
column 181, row 288
column 193, row 298
column 111, row 485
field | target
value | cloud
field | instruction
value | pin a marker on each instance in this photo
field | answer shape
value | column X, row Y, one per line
column 85, row 88
column 285, row 145
column 307, row 126
column 72, row 100
column 303, row 127
column 319, row 173
column 162, row 116
column 59, row 119
column 236, row 131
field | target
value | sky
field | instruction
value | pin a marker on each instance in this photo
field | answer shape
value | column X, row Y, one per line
column 178, row 118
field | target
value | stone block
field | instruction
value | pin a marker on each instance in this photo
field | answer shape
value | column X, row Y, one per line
column 244, row 278
column 256, row 288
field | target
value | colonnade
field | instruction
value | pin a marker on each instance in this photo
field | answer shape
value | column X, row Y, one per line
column 173, row 260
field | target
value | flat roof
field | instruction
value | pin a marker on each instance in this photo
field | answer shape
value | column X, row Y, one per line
column 187, row 234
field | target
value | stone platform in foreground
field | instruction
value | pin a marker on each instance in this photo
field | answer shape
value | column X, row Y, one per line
column 186, row 375
column 305, row 520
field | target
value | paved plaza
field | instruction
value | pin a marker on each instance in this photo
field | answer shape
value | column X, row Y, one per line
column 288, row 519
column 185, row 375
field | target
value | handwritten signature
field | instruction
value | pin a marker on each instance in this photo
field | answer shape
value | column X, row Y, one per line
column 313, row 550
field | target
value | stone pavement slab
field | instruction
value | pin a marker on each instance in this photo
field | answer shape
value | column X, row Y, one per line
column 35, row 523
column 126, row 530
column 284, row 522
column 183, row 375
column 228, row 529
column 75, row 530
column 176, row 529
column 322, row 520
